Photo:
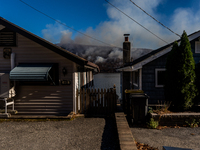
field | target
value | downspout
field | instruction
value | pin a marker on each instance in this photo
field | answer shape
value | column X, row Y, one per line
column 12, row 61
column 12, row 89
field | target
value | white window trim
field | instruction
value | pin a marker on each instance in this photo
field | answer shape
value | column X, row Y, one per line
column 156, row 76
column 197, row 42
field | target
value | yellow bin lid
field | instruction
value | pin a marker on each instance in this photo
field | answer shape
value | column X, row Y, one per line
column 134, row 91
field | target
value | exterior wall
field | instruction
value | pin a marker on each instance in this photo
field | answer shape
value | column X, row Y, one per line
column 148, row 75
column 43, row 100
column 195, row 55
column 148, row 79
column 28, row 51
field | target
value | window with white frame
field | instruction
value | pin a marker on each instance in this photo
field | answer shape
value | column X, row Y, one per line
column 135, row 79
column 159, row 77
column 197, row 47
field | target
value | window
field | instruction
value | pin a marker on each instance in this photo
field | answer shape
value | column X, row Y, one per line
column 159, row 77
column 7, row 37
column 135, row 80
column 197, row 47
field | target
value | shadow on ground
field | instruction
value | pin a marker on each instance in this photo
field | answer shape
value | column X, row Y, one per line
column 110, row 136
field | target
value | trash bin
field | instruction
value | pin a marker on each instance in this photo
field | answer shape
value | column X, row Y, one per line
column 138, row 106
column 126, row 101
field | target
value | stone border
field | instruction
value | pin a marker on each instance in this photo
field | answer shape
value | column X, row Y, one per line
column 173, row 119
column 126, row 140
column 69, row 116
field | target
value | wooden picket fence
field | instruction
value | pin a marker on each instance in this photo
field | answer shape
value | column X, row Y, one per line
column 96, row 102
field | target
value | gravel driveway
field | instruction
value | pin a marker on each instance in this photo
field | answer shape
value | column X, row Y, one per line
column 81, row 133
column 183, row 137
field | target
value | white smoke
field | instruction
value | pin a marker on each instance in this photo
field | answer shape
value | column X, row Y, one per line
column 112, row 31
column 100, row 59
column 116, row 53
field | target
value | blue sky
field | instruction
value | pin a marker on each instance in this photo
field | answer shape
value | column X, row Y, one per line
column 101, row 21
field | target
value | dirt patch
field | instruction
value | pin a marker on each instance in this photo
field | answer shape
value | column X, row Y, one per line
column 141, row 146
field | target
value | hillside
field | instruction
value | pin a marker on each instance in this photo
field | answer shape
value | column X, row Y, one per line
column 107, row 58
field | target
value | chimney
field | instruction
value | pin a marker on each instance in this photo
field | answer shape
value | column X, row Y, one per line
column 126, row 50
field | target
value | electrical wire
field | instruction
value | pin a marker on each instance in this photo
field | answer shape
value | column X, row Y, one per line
column 79, row 31
column 65, row 24
column 72, row 28
column 155, row 19
column 136, row 22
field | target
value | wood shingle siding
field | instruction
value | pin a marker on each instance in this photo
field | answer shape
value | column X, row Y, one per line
column 148, row 79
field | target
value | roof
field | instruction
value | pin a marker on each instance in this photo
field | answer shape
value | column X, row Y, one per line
column 138, row 63
column 79, row 60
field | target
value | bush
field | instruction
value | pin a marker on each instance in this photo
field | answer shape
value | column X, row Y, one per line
column 152, row 124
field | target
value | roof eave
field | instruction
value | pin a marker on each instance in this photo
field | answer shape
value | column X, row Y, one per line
column 43, row 42
column 152, row 57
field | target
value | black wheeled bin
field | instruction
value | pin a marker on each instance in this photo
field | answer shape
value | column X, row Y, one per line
column 126, row 101
column 138, row 106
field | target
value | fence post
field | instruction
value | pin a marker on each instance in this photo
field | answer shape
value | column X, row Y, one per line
column 77, row 101
column 98, row 100
column 83, row 101
column 115, row 97
column 87, row 101
column 111, row 101
column 80, row 100
column 101, row 104
column 105, row 101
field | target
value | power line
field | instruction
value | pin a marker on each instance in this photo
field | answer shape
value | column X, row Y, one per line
column 77, row 30
column 71, row 27
column 154, row 18
column 136, row 22
column 65, row 24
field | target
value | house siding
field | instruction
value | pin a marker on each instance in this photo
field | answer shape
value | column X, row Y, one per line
column 195, row 55
column 28, row 51
column 148, row 79
column 148, row 75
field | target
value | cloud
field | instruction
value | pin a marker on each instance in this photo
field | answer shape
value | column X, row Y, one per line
column 112, row 31
column 186, row 19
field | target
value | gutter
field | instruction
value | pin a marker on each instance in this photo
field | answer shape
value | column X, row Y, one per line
column 92, row 66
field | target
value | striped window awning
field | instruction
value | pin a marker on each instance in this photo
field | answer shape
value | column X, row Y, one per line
column 31, row 72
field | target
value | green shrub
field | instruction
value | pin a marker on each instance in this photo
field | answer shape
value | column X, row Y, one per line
column 152, row 124
column 193, row 123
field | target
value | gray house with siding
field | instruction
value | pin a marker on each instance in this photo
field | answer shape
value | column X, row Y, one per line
column 42, row 76
column 147, row 72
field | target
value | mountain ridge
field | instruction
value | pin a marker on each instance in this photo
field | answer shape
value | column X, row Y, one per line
column 106, row 57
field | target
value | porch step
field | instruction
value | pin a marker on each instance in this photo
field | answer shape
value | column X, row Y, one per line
column 42, row 103
column 38, row 107
column 42, row 113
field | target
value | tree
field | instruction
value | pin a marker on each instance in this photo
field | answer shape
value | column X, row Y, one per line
column 171, row 75
column 180, row 75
